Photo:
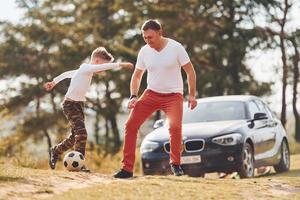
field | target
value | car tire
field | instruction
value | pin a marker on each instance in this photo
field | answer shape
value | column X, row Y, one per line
column 246, row 168
column 284, row 163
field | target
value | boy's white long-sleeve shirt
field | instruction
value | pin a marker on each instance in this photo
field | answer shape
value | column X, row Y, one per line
column 81, row 79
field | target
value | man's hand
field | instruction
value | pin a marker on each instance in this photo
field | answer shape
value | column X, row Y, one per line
column 132, row 103
column 49, row 85
column 192, row 102
column 126, row 65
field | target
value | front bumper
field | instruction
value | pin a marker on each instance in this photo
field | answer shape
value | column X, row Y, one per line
column 214, row 158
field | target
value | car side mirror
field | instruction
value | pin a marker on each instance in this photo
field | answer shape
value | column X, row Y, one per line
column 159, row 123
column 260, row 116
column 257, row 116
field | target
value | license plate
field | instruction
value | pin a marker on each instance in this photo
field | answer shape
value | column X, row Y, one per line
column 190, row 159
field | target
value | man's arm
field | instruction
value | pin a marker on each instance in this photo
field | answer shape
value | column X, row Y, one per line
column 68, row 74
column 135, row 86
column 191, row 78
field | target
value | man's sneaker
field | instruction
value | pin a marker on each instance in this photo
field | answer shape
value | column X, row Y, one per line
column 85, row 169
column 123, row 174
column 176, row 169
column 53, row 157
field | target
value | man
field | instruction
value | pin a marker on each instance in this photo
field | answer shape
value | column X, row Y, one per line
column 74, row 100
column 162, row 58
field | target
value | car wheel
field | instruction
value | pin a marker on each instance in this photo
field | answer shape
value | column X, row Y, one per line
column 246, row 169
column 284, row 163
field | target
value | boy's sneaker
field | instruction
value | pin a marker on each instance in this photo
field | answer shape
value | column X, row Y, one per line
column 53, row 157
column 176, row 169
column 85, row 169
column 123, row 174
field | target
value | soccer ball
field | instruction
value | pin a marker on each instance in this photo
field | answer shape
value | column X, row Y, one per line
column 73, row 161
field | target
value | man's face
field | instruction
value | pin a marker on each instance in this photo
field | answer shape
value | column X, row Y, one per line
column 151, row 37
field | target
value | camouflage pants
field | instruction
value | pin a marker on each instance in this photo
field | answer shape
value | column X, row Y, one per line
column 74, row 113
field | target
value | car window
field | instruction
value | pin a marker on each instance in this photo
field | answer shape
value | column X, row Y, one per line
column 261, row 106
column 253, row 108
column 269, row 112
column 215, row 111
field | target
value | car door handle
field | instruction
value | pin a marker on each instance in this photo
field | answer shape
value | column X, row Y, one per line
column 272, row 124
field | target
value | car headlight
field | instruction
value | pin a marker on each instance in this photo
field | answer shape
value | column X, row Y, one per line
column 148, row 146
column 227, row 140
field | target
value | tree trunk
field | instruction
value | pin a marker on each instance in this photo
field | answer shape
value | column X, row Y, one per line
column 48, row 140
column 296, row 60
column 97, row 122
column 233, row 54
column 97, row 128
column 115, row 131
column 53, row 103
column 284, row 82
column 107, row 140
column 284, row 64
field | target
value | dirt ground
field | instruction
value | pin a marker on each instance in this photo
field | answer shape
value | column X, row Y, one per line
column 26, row 183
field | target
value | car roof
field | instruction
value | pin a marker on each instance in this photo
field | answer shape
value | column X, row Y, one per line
column 243, row 98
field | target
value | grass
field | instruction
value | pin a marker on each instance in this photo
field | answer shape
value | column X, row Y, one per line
column 59, row 184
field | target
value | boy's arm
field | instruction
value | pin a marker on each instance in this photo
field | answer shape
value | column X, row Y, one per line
column 68, row 74
column 106, row 66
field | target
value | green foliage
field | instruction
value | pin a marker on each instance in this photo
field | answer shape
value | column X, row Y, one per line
column 57, row 35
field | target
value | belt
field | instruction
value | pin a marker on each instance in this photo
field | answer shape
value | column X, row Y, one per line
column 163, row 94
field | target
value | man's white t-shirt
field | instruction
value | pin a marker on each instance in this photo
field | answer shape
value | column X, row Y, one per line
column 163, row 67
column 81, row 79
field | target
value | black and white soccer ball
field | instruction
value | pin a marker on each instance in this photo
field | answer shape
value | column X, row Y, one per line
column 73, row 161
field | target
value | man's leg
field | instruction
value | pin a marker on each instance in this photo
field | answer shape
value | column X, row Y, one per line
column 144, row 107
column 173, row 109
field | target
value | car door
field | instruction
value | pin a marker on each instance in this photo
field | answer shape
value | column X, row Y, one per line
column 268, row 132
column 258, row 129
column 274, row 126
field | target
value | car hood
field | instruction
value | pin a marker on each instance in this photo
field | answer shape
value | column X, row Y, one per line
column 196, row 130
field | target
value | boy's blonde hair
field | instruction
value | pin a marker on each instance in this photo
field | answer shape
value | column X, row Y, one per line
column 101, row 52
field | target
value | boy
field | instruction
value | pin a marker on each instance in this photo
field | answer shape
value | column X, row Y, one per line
column 74, row 100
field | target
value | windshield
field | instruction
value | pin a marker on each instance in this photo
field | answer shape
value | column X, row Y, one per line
column 215, row 111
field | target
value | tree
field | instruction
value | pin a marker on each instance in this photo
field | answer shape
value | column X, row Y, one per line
column 57, row 35
column 282, row 23
column 294, row 38
column 29, row 51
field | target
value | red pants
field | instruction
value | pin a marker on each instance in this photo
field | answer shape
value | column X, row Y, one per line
column 171, row 104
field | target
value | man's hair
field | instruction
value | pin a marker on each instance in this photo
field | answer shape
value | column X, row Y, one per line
column 101, row 52
column 153, row 24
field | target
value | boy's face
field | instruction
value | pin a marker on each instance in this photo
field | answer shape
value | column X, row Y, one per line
column 99, row 61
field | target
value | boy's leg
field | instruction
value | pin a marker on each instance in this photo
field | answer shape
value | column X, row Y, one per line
column 71, row 111
column 76, row 119
column 65, row 144
column 74, row 113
